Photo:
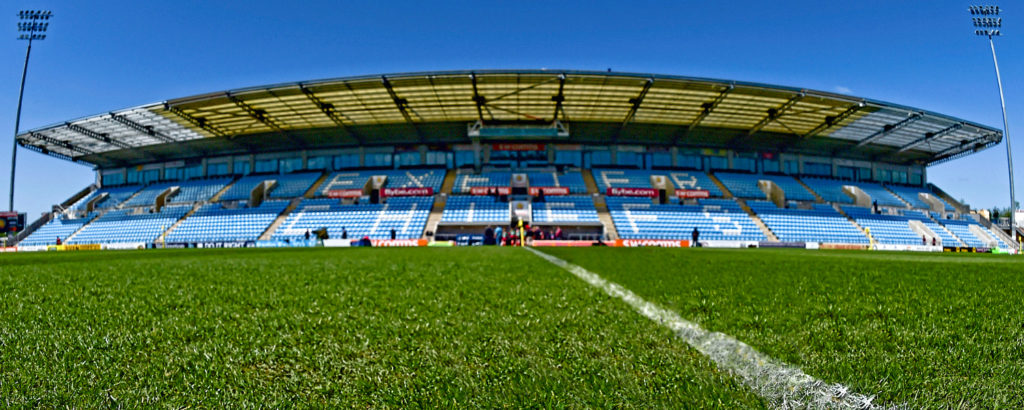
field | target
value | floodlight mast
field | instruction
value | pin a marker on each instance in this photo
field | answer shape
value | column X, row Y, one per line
column 32, row 25
column 987, row 24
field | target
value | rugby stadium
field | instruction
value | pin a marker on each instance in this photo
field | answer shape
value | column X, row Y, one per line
column 647, row 205
column 617, row 157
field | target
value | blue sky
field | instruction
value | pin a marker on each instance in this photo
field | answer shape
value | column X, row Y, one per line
column 107, row 55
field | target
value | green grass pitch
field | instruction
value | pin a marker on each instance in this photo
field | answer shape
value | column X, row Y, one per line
column 497, row 327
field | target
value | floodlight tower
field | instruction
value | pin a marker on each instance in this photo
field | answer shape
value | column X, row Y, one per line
column 32, row 26
column 987, row 23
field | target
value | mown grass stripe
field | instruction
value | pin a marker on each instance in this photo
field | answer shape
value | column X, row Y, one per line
column 779, row 383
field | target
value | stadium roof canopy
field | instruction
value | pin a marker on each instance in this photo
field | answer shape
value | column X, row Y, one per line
column 436, row 108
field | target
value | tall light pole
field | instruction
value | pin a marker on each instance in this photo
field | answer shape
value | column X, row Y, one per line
column 32, row 26
column 987, row 24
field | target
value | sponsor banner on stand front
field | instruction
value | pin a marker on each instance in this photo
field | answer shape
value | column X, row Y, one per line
column 770, row 244
column 344, row 193
column 125, row 246
column 563, row 243
column 398, row 242
column 693, row 193
column 337, row 243
column 517, row 147
column 32, row 248
column 8, row 249
column 424, row 191
column 914, row 248
column 490, row 190
column 292, row 243
column 646, row 192
column 82, row 247
column 728, row 244
column 846, row 246
column 549, row 190
column 245, row 244
column 664, row 243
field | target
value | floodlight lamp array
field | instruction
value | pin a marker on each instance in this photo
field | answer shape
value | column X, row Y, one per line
column 35, row 14
column 34, row 23
column 988, row 22
column 984, row 10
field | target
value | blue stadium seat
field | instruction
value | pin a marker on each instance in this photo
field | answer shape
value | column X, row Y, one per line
column 910, row 194
column 115, row 195
column 129, row 225
column 406, row 215
column 571, row 180
column 821, row 224
column 716, row 219
column 885, row 229
column 213, row 223
column 59, row 227
column 465, row 181
column 475, row 209
column 561, row 209
column 746, row 185
column 830, row 190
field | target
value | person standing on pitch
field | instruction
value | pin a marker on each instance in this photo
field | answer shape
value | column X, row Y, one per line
column 696, row 236
column 522, row 233
column 497, row 235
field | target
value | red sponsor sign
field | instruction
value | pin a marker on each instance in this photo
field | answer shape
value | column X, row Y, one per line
column 344, row 193
column 8, row 214
column 665, row 243
column 398, row 242
column 648, row 192
column 427, row 191
column 517, row 147
column 549, row 190
column 490, row 190
column 693, row 193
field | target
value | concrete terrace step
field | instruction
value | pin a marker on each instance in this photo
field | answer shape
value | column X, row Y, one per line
column 282, row 217
column 311, row 192
column 195, row 207
column 725, row 191
column 605, row 217
column 757, row 220
column 817, row 198
column 588, row 180
column 436, row 211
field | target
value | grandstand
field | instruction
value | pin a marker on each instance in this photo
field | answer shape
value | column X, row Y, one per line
column 676, row 154
column 638, row 218
column 822, row 224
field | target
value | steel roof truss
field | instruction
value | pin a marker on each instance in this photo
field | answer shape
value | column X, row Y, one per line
column 197, row 121
column 144, row 129
column 889, row 128
column 706, row 109
column 263, row 117
column 636, row 101
column 931, row 136
column 403, row 106
column 478, row 99
column 329, row 110
column 831, row 121
column 775, row 113
column 104, row 138
column 559, row 99
column 64, row 144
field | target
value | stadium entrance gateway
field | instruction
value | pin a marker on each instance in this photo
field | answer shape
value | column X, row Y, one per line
column 624, row 158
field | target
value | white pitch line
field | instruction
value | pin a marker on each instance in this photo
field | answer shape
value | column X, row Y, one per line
column 779, row 383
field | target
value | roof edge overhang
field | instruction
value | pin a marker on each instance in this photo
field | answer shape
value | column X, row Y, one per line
column 144, row 133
